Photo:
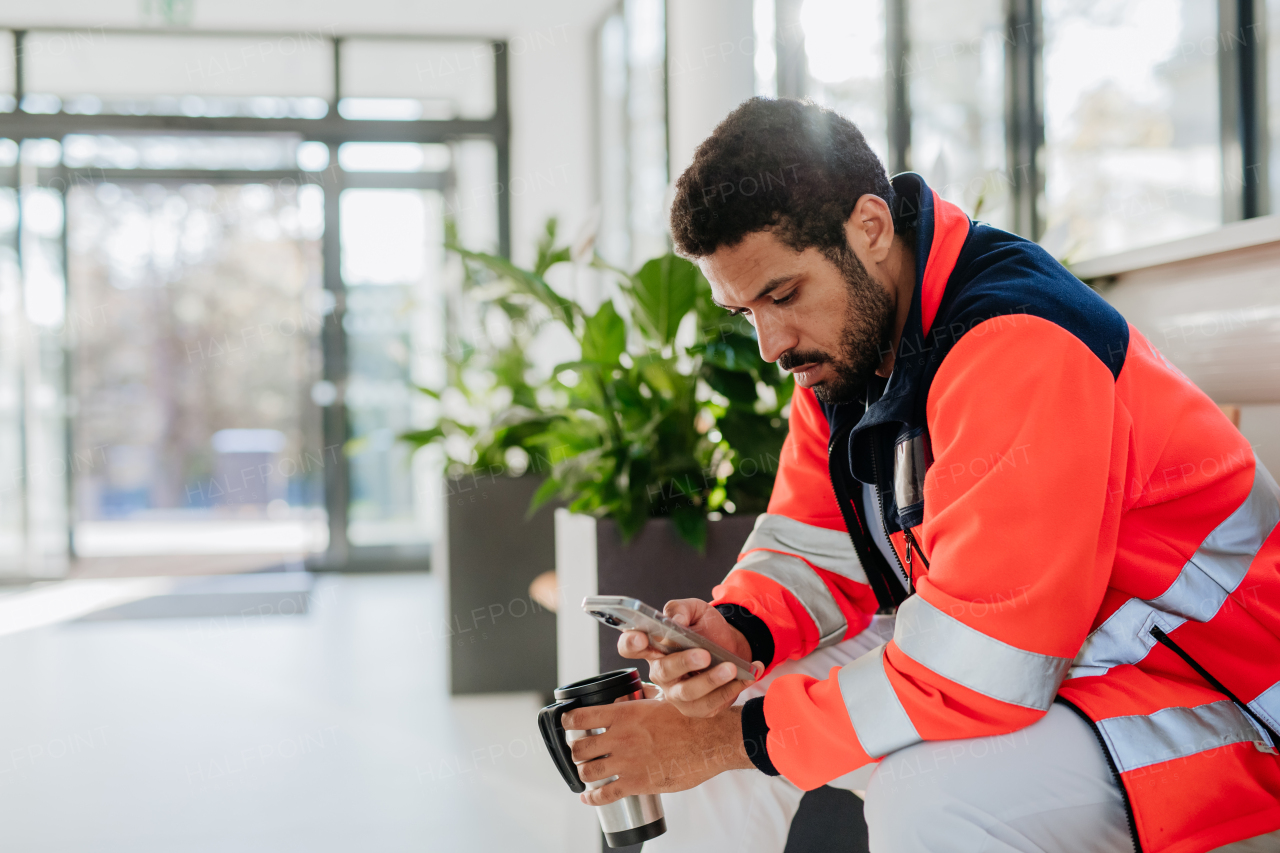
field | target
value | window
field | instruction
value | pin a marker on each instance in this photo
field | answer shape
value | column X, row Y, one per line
column 1272, row 62
column 391, row 269
column 179, row 295
column 632, row 138
column 1095, row 126
column 93, row 71
column 844, row 45
column 1133, row 153
column 954, row 72
column 246, row 293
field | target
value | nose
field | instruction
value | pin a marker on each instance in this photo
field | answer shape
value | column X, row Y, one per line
column 774, row 334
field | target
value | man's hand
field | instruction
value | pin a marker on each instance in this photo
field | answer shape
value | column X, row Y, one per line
column 652, row 748
column 680, row 675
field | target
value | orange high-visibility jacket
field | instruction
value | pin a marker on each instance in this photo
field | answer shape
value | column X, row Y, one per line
column 1073, row 521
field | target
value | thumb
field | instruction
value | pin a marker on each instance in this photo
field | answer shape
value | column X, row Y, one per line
column 684, row 611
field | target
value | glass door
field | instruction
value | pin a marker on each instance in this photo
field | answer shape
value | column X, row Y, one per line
column 392, row 274
column 195, row 317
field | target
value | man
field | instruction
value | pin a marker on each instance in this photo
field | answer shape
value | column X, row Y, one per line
column 1080, row 548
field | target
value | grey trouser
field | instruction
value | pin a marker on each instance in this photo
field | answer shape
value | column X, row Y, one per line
column 1043, row 789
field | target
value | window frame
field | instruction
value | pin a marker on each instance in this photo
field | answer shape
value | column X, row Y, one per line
column 1242, row 75
column 332, row 130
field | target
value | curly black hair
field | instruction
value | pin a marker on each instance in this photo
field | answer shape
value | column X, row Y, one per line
column 787, row 166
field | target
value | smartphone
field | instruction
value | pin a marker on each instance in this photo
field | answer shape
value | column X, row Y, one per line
column 632, row 614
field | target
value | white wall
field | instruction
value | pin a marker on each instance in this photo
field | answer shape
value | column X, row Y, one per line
column 711, row 62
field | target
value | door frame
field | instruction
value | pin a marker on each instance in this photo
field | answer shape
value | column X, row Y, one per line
column 333, row 130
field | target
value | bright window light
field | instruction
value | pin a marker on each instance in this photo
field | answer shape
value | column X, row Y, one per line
column 764, row 15
column 392, row 157
column 385, row 109
column 842, row 38
column 384, row 234
column 42, row 104
column 313, row 156
column 41, row 152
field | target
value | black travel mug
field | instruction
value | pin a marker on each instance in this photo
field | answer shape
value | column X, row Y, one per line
column 632, row 819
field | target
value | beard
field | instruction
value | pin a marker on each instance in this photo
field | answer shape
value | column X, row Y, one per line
column 867, row 337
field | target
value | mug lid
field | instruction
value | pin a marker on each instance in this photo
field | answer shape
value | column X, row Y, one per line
column 619, row 682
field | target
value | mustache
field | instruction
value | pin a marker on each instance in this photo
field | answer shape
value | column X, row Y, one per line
column 791, row 359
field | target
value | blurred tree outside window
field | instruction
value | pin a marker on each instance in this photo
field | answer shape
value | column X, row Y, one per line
column 196, row 312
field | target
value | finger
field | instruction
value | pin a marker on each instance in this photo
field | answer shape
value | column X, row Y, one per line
column 715, row 701
column 583, row 719
column 652, row 691
column 635, row 644
column 695, row 688
column 684, row 611
column 605, row 794
column 671, row 668
column 601, row 768
column 586, row 748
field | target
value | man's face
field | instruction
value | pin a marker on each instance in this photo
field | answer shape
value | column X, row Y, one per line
column 829, row 324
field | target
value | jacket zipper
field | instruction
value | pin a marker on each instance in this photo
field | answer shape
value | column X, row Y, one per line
column 912, row 544
column 1165, row 640
column 880, row 575
column 1115, row 773
column 906, row 576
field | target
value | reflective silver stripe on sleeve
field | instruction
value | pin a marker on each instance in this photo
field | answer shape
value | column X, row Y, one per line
column 1124, row 638
column 970, row 658
column 803, row 582
column 1226, row 553
column 827, row 549
column 879, row 720
column 1267, row 706
column 1140, row 741
column 1214, row 571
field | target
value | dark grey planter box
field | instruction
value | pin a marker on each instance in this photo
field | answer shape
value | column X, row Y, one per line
column 655, row 567
column 499, row 639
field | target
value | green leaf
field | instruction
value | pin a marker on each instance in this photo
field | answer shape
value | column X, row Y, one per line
column 732, row 351
column 548, row 255
column 604, row 336
column 664, row 291
column 691, row 524
column 738, row 387
column 786, row 389
column 435, row 395
column 564, row 310
column 753, row 436
column 422, row 437
column 630, row 519
column 549, row 489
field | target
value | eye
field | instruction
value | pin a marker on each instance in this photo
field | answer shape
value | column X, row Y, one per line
column 738, row 312
column 785, row 299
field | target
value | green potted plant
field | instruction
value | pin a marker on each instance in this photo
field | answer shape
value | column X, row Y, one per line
column 668, row 422
column 500, row 637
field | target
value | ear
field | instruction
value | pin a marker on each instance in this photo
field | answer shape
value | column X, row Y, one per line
column 869, row 229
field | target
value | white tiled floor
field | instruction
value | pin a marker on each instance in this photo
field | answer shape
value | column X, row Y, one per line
column 327, row 732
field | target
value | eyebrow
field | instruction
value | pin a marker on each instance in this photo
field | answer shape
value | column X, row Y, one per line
column 770, row 287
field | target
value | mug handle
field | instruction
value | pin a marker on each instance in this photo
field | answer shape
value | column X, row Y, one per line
column 553, row 736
